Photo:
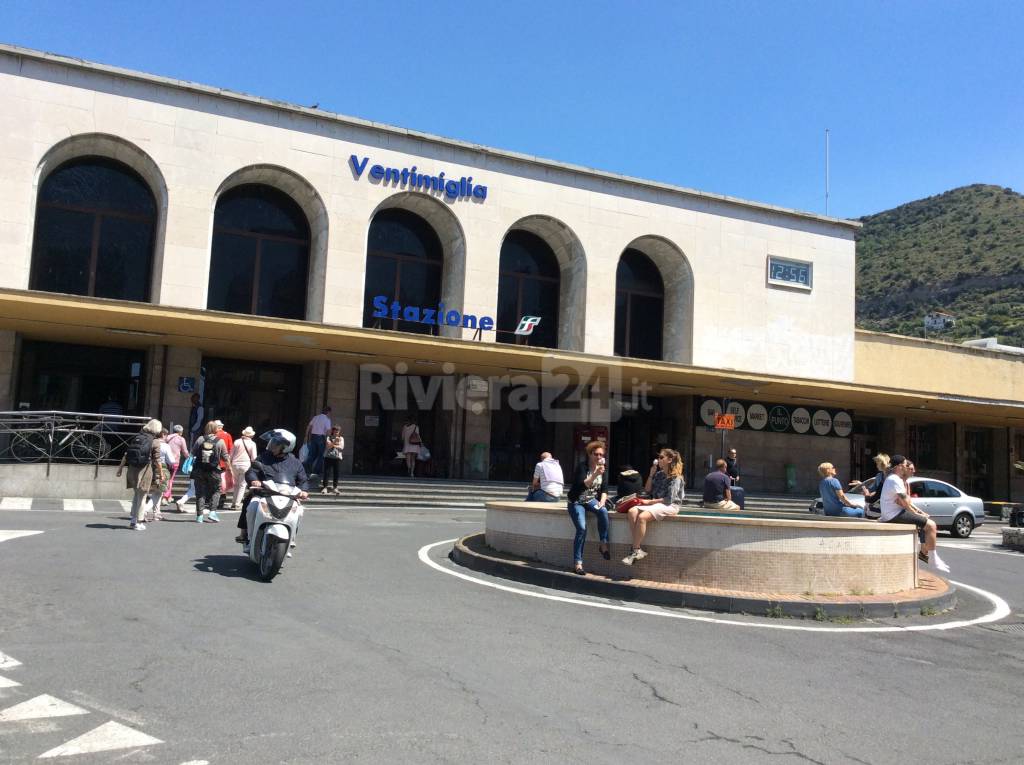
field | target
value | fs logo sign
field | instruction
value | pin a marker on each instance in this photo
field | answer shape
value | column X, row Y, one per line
column 527, row 324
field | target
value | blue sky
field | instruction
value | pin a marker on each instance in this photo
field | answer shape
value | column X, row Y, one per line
column 727, row 97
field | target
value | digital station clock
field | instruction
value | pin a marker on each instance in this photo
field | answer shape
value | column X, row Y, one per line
column 783, row 272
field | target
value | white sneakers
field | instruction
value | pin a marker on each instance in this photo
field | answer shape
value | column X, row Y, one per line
column 939, row 563
column 634, row 556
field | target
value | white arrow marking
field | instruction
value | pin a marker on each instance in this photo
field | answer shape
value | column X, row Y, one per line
column 105, row 738
column 8, row 683
column 7, row 662
column 40, row 707
column 16, row 503
column 78, row 505
column 5, row 535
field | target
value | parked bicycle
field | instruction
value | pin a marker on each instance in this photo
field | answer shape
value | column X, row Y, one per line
column 82, row 437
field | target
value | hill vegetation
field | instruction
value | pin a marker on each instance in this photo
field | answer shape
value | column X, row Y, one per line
column 961, row 252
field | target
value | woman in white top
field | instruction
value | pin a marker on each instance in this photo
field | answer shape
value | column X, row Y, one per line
column 243, row 454
column 411, row 445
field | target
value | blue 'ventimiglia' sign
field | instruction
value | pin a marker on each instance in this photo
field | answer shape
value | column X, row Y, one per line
column 411, row 178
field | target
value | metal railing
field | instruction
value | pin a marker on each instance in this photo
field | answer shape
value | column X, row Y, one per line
column 87, row 438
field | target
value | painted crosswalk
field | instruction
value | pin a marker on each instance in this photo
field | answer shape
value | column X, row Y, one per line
column 44, row 504
column 25, row 716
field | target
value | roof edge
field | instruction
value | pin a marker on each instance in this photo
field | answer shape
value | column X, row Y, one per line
column 208, row 90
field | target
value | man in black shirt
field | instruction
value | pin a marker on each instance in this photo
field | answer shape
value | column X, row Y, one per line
column 276, row 463
column 732, row 467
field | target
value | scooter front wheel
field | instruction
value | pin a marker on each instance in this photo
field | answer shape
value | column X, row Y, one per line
column 272, row 557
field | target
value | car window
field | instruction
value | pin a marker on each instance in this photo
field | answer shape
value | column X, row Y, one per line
column 933, row 490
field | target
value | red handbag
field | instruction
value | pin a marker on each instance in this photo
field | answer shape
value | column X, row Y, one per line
column 624, row 504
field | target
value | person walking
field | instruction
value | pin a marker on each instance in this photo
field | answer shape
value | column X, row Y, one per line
column 146, row 476
column 316, row 440
column 332, row 460
column 195, row 419
column 588, row 493
column 411, row 443
column 227, row 483
column 243, row 454
column 179, row 451
column 208, row 455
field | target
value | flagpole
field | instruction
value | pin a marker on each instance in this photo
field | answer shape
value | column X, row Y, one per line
column 826, row 170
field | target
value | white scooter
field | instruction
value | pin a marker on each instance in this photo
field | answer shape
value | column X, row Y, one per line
column 273, row 520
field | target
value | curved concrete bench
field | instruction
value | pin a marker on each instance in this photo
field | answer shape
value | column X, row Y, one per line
column 730, row 551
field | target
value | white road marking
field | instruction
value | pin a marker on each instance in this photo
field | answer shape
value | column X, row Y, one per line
column 40, row 707
column 973, row 548
column 5, row 535
column 1000, row 611
column 8, row 662
column 106, row 738
column 8, row 683
column 126, row 505
column 16, row 503
column 78, row 505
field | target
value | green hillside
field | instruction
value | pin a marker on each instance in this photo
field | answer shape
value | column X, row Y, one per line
column 961, row 252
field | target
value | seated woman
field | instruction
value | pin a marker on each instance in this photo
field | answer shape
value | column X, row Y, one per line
column 588, row 493
column 833, row 499
column 665, row 485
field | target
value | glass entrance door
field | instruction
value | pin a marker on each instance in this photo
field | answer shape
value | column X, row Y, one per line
column 242, row 393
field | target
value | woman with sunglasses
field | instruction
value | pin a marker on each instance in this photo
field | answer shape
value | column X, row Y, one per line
column 588, row 494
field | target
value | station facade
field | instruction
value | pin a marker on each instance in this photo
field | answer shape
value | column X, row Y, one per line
column 159, row 238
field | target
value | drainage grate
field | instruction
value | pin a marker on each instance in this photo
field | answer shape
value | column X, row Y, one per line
column 1014, row 628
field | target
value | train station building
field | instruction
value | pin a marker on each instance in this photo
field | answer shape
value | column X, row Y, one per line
column 160, row 238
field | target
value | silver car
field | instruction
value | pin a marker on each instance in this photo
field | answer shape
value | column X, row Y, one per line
column 951, row 509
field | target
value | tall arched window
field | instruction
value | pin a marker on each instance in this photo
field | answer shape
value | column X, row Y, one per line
column 259, row 262
column 528, row 285
column 639, row 307
column 404, row 259
column 95, row 223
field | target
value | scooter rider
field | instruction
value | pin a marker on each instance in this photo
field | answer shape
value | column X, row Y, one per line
column 276, row 463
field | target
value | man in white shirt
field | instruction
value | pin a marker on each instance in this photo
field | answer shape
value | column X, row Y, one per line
column 548, row 480
column 896, row 507
column 316, row 438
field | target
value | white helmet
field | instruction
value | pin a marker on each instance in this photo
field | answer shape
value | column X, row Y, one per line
column 279, row 436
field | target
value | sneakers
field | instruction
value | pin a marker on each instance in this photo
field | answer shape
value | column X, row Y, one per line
column 246, row 548
column 922, row 556
column 199, row 518
column 325, row 491
column 634, row 556
column 242, row 539
column 137, row 526
column 213, row 517
column 939, row 563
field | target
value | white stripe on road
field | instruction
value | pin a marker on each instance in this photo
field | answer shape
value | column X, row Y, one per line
column 5, row 535
column 39, row 708
column 1000, row 611
column 972, row 548
column 126, row 504
column 8, row 662
column 6, row 682
column 106, row 738
column 16, row 503
column 78, row 505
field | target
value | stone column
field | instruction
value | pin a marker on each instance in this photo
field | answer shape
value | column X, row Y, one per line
column 8, row 377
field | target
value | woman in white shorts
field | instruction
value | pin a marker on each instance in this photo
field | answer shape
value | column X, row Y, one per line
column 665, row 485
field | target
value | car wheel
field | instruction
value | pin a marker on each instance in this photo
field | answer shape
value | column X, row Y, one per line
column 962, row 526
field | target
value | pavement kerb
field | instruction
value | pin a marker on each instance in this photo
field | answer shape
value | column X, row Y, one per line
column 532, row 572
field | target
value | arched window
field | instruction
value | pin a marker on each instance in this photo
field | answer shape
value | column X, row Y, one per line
column 639, row 307
column 95, row 223
column 404, row 259
column 528, row 285
column 259, row 262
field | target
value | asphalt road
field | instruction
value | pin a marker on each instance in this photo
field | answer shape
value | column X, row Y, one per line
column 359, row 651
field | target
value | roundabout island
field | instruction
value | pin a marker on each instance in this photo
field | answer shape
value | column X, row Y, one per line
column 754, row 562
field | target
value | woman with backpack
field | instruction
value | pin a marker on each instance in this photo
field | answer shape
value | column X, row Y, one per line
column 146, row 474
column 208, row 454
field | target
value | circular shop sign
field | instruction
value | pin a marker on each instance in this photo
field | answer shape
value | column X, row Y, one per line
column 709, row 408
column 842, row 424
column 801, row 420
column 736, row 409
column 822, row 422
column 778, row 419
column 757, row 416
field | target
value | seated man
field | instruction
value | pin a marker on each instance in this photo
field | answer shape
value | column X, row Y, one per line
column 277, row 464
column 717, row 489
column 897, row 508
column 833, row 499
column 548, row 480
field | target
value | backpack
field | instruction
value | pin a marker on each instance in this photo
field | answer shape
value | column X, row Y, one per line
column 139, row 449
column 206, row 456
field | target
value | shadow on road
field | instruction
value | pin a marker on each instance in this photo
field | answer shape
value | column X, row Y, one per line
column 107, row 526
column 227, row 565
